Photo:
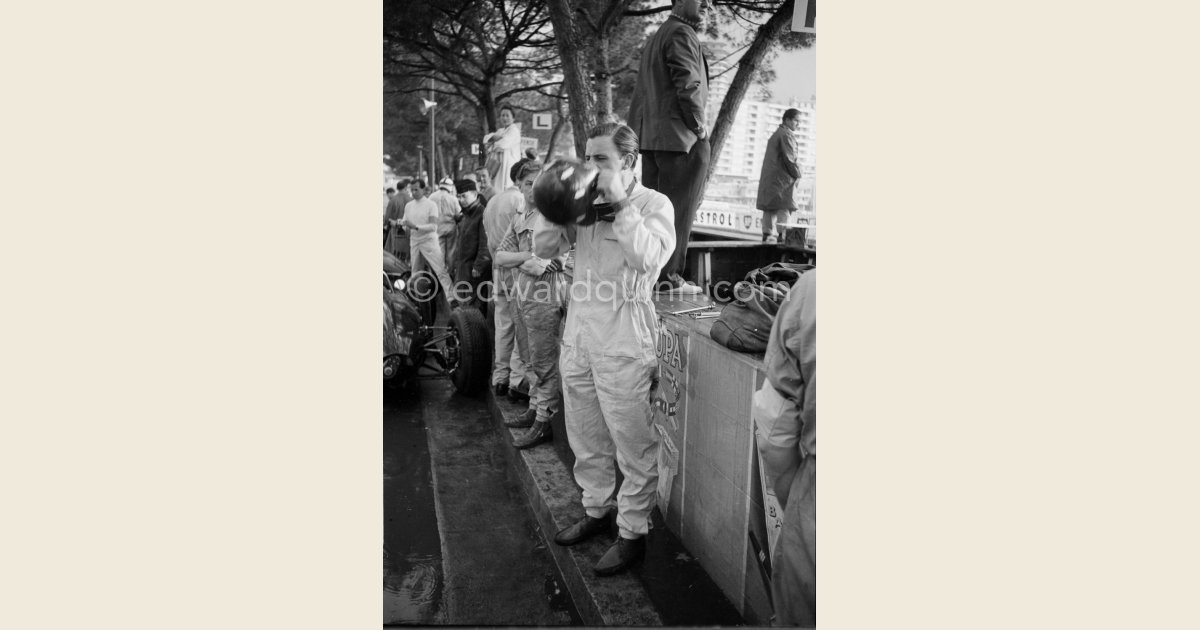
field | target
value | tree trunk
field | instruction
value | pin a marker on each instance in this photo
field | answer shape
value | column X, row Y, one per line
column 489, row 109
column 559, row 121
column 767, row 35
column 575, row 74
column 604, row 111
column 610, row 19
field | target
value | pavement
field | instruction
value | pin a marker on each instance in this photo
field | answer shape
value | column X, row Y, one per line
column 669, row 588
column 494, row 567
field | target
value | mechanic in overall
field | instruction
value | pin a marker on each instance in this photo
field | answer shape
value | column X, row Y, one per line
column 667, row 113
column 472, row 260
column 780, row 172
column 785, row 414
column 422, row 218
column 509, row 371
column 444, row 197
column 538, row 300
column 607, row 356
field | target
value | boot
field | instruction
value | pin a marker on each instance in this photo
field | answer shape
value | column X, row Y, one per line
column 534, row 436
column 517, row 395
column 523, row 421
column 621, row 555
column 583, row 529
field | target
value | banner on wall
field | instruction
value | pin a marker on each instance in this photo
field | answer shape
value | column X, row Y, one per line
column 668, row 467
column 668, row 409
column 772, row 512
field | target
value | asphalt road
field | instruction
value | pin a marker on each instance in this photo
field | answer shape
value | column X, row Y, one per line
column 460, row 545
column 412, row 556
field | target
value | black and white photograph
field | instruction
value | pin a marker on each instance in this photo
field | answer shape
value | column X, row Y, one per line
column 597, row 404
column 599, row 227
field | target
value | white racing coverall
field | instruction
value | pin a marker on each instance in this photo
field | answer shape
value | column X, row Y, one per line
column 423, row 241
column 509, row 367
column 607, row 357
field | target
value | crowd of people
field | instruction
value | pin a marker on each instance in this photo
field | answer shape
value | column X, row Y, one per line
column 562, row 342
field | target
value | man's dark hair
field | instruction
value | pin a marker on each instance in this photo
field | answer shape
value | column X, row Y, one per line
column 791, row 114
column 625, row 138
column 525, row 167
column 402, row 184
column 419, row 183
column 391, row 191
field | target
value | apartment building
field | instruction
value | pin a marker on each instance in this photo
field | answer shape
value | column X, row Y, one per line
column 740, row 162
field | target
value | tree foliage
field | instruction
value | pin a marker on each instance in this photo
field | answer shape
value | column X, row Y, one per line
column 536, row 55
column 600, row 44
column 477, row 53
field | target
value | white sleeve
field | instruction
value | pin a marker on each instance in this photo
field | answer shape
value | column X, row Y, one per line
column 647, row 238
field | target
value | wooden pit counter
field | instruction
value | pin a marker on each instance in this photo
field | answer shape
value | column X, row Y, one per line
column 708, row 466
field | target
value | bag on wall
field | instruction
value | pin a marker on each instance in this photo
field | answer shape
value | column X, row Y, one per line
column 745, row 324
column 779, row 274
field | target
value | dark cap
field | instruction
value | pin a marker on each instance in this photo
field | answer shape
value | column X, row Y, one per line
column 465, row 185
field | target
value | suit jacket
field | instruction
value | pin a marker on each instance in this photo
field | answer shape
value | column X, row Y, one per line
column 672, row 89
column 779, row 172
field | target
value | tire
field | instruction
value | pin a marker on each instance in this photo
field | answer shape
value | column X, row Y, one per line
column 475, row 351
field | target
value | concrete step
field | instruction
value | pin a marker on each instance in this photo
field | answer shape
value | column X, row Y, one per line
column 668, row 588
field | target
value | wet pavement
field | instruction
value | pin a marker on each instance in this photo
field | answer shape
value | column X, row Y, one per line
column 461, row 546
column 412, row 554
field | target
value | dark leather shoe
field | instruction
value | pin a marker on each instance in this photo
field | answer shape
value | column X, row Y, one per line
column 501, row 389
column 517, row 395
column 523, row 421
column 540, row 432
column 583, row 529
column 621, row 555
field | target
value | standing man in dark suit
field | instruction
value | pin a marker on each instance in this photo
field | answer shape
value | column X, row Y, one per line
column 667, row 114
column 780, row 172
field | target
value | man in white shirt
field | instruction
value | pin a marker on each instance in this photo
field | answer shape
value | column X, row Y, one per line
column 422, row 218
column 450, row 213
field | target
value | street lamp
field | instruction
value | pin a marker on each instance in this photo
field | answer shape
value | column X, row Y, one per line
column 427, row 107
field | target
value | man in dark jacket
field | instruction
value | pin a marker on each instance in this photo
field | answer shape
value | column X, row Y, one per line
column 397, row 241
column 472, row 262
column 667, row 113
column 780, row 171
